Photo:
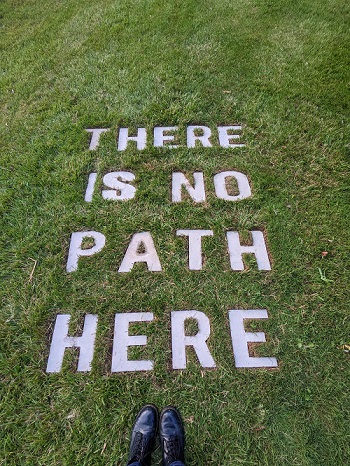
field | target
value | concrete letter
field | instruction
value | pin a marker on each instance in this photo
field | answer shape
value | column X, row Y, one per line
column 160, row 137
column 258, row 248
column 61, row 341
column 122, row 340
column 122, row 190
column 221, row 190
column 90, row 187
column 179, row 340
column 95, row 139
column 194, row 246
column 75, row 250
column 124, row 138
column 240, row 338
column 197, row 193
column 225, row 138
column 149, row 255
column 204, row 138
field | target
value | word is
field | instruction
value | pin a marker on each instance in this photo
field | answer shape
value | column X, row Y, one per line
column 179, row 341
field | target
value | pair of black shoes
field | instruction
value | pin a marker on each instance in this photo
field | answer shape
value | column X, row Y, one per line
column 144, row 434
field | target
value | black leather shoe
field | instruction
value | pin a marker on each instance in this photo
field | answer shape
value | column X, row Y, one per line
column 143, row 435
column 172, row 436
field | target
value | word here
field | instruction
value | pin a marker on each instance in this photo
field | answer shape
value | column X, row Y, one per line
column 122, row 340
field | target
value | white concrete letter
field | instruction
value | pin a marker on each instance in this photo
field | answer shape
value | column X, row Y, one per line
column 90, row 187
column 75, row 250
column 124, row 138
column 160, row 137
column 203, row 139
column 197, row 193
column 179, row 340
column 119, row 182
column 221, row 189
column 240, row 338
column 95, row 138
column 61, row 341
column 258, row 249
column 225, row 138
column 122, row 340
column 194, row 246
column 149, row 254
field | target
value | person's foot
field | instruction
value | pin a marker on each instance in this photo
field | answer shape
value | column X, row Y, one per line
column 172, row 436
column 143, row 436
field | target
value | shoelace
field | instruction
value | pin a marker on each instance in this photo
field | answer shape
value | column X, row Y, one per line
column 139, row 445
column 172, row 448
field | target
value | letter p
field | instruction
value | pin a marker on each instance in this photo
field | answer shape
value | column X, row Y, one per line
column 76, row 251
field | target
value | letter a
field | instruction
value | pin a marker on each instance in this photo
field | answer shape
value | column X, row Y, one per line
column 149, row 254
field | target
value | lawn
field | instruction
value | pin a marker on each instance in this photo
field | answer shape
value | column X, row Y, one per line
column 280, row 71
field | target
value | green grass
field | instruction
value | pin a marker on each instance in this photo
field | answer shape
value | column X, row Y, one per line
column 279, row 68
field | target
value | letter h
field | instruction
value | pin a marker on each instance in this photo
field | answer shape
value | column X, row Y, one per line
column 61, row 341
